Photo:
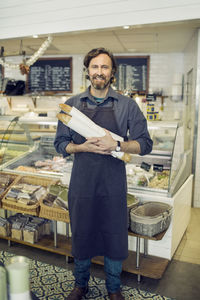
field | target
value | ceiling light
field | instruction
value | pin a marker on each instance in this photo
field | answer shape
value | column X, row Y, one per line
column 132, row 50
column 126, row 26
column 35, row 36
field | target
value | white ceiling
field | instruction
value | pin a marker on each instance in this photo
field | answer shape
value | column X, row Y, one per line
column 153, row 38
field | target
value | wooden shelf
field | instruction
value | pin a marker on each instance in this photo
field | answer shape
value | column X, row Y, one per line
column 156, row 237
column 136, row 263
column 47, row 243
column 150, row 266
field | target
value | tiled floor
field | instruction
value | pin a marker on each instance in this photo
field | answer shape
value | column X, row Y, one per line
column 189, row 248
column 181, row 280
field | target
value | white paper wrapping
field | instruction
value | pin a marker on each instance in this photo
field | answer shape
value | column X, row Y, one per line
column 82, row 117
column 83, row 125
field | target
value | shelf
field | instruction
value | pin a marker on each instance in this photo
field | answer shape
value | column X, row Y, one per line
column 47, row 243
column 156, row 237
column 150, row 266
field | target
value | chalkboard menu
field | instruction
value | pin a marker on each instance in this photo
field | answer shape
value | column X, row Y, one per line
column 132, row 73
column 50, row 75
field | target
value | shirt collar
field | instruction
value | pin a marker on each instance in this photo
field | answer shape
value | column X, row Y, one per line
column 111, row 94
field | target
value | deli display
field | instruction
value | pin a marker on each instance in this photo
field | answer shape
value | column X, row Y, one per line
column 166, row 168
column 36, row 154
column 28, row 148
column 28, row 154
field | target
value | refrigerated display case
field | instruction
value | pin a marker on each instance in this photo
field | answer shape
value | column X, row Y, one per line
column 27, row 145
column 166, row 168
column 34, row 137
column 15, row 140
column 165, row 176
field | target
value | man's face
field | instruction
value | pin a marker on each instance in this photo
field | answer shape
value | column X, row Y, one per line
column 100, row 71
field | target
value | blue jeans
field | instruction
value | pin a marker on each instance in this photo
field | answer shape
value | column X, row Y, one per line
column 112, row 268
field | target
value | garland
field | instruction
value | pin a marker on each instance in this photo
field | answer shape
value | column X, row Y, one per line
column 24, row 67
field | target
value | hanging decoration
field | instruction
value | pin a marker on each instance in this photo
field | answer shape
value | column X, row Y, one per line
column 25, row 66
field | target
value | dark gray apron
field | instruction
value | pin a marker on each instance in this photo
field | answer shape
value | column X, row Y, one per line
column 97, row 197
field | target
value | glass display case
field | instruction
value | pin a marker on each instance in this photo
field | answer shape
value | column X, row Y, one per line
column 167, row 167
column 27, row 147
column 33, row 139
column 15, row 140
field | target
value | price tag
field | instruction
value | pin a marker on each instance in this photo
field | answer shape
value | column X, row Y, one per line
column 158, row 168
column 151, row 97
column 145, row 166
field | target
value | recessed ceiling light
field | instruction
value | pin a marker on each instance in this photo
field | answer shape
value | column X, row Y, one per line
column 126, row 26
column 132, row 50
column 35, row 36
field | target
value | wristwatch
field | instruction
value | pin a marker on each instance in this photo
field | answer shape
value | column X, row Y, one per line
column 118, row 148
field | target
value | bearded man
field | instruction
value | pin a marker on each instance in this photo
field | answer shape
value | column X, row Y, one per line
column 98, row 188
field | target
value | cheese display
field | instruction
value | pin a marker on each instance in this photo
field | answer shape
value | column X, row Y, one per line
column 80, row 123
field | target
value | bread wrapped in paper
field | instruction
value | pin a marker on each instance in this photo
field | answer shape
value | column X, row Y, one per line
column 80, row 123
column 74, row 112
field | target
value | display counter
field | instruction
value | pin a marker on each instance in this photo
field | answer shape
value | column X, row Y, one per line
column 166, row 168
column 163, row 175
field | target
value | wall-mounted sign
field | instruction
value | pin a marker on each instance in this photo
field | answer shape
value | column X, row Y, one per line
column 50, row 75
column 132, row 73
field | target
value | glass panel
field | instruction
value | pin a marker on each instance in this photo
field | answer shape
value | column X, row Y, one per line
column 15, row 140
column 152, row 172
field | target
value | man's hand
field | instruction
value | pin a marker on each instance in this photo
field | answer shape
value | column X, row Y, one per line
column 103, row 145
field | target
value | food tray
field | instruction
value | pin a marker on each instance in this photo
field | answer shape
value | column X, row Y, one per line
column 150, row 218
column 13, row 179
column 23, row 208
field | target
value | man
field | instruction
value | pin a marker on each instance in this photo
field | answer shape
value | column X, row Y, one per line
column 97, row 191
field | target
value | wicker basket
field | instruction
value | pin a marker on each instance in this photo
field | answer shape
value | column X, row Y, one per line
column 150, row 218
column 13, row 179
column 23, row 208
column 132, row 202
column 53, row 213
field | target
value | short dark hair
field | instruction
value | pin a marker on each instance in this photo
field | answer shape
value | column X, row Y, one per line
column 95, row 52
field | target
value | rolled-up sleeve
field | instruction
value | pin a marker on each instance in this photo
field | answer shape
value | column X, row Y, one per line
column 62, row 139
column 138, row 130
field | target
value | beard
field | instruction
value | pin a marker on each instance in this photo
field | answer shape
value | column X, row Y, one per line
column 99, row 82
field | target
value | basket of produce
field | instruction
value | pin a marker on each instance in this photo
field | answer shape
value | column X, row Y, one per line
column 132, row 202
column 150, row 218
column 6, row 180
column 26, row 193
column 54, row 205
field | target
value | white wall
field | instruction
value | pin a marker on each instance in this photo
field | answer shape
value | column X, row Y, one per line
column 196, row 200
column 192, row 110
column 162, row 74
column 23, row 18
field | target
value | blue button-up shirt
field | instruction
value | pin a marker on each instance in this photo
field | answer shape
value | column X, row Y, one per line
column 131, row 121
